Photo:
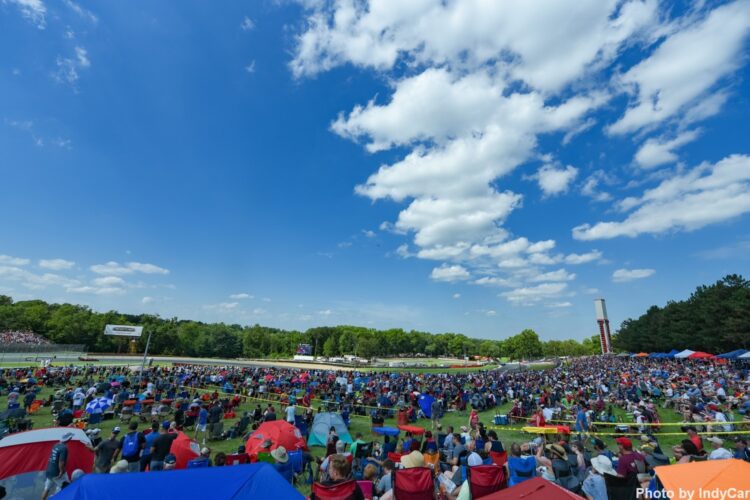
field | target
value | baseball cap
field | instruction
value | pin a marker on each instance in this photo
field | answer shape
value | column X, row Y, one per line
column 116, row 430
column 170, row 459
column 625, row 443
column 165, row 424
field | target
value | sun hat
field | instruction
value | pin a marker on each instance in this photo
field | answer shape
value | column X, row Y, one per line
column 716, row 440
column 413, row 459
column 474, row 459
column 280, row 455
column 66, row 437
column 116, row 430
column 557, row 450
column 121, row 466
column 603, row 465
column 170, row 459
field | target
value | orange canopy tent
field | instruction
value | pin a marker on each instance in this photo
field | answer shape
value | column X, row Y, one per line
column 700, row 355
column 718, row 475
column 641, row 355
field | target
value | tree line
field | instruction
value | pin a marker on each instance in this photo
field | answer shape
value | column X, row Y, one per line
column 715, row 319
column 77, row 324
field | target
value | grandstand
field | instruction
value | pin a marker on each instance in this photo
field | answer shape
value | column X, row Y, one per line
column 18, row 346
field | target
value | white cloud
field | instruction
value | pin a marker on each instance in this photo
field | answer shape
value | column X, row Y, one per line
column 109, row 281
column 56, row 264
column 82, row 12
column 655, row 152
column 114, row 268
column 147, row 300
column 223, row 306
column 68, row 68
column 456, row 295
column 325, row 312
column 250, row 68
column 450, row 273
column 494, row 281
column 534, row 294
column 559, row 305
column 32, row 10
column 368, row 233
column 583, row 258
column 623, row 275
column 35, row 281
column 592, row 183
column 684, row 69
column 490, row 313
column 13, row 261
column 241, row 296
column 706, row 194
column 258, row 311
column 97, row 290
column 559, row 275
column 247, row 24
column 553, row 180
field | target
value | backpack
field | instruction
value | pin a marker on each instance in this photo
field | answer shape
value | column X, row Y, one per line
column 130, row 445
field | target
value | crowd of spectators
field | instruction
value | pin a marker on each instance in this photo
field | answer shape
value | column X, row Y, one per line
column 26, row 338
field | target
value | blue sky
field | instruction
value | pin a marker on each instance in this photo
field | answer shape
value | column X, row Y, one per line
column 450, row 166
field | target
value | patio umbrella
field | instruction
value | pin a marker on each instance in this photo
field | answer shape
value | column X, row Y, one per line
column 98, row 405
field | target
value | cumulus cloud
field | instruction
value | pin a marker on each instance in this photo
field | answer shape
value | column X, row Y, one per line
column 241, row 296
column 68, row 68
column 706, row 194
column 450, row 273
column 534, row 294
column 13, row 261
column 553, row 180
column 56, row 264
column 583, row 258
column 623, row 275
column 659, row 151
column 247, row 24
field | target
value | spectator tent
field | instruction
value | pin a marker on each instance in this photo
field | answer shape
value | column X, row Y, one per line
column 684, row 354
column 245, row 481
column 733, row 354
column 322, row 424
column 23, row 459
column 280, row 433
column 705, row 476
column 745, row 356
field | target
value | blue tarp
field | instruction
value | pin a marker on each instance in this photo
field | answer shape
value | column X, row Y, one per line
column 425, row 402
column 242, row 481
column 386, row 431
column 733, row 355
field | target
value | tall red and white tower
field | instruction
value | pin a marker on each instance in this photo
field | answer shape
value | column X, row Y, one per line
column 605, row 337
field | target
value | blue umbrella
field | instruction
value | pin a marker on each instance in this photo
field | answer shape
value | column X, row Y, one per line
column 98, row 405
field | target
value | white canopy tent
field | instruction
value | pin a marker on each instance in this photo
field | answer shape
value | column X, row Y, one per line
column 745, row 356
column 684, row 354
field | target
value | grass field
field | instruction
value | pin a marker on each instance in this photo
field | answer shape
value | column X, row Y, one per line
column 508, row 435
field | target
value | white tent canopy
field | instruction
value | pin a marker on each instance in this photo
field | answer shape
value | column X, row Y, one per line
column 745, row 356
column 684, row 354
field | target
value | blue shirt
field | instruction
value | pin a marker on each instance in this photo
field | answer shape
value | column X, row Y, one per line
column 595, row 487
column 150, row 438
column 203, row 416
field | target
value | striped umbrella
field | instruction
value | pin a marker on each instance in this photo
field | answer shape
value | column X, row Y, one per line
column 98, row 405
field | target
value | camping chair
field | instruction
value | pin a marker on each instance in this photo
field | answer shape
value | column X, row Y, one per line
column 94, row 418
column 237, row 459
column 366, row 487
column 485, row 479
column 197, row 463
column 621, row 488
column 57, row 406
column 295, row 457
column 499, row 458
column 126, row 414
column 432, row 460
column 413, row 484
column 340, row 491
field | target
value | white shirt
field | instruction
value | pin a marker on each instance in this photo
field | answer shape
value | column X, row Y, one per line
column 720, row 454
column 548, row 413
column 290, row 414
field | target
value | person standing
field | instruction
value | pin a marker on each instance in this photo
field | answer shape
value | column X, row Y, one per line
column 436, row 409
column 149, row 442
column 161, row 447
column 200, row 426
column 131, row 445
column 55, row 475
column 106, row 452
column 291, row 411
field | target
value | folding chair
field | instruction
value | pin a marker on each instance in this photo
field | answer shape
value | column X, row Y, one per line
column 413, row 484
column 621, row 488
column 341, row 491
column 366, row 487
column 499, row 458
column 295, row 457
column 485, row 479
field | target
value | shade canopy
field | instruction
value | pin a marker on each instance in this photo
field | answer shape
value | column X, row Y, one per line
column 710, row 475
column 244, row 481
column 534, row 489
column 684, row 354
column 733, row 354
column 700, row 355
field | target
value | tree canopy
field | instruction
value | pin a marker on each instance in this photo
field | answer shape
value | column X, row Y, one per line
column 715, row 319
column 76, row 324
